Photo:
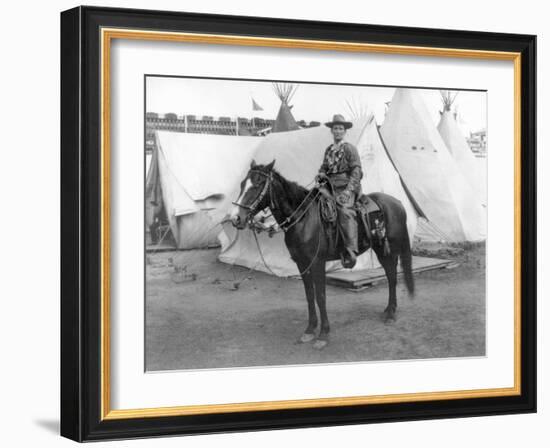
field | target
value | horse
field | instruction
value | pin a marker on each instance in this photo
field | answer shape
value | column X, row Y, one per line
column 311, row 243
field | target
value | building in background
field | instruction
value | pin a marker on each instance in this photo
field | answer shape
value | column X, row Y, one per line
column 206, row 124
column 478, row 143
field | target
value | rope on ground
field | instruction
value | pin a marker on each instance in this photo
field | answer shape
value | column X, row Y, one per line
column 157, row 247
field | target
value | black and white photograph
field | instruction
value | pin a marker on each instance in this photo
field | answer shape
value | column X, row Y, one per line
column 291, row 223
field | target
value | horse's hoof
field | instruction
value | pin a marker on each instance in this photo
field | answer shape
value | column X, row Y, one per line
column 390, row 317
column 320, row 344
column 306, row 337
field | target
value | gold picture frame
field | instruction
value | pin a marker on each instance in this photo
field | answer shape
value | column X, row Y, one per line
column 108, row 30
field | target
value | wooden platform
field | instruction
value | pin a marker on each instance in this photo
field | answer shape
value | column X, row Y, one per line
column 170, row 247
column 162, row 247
column 357, row 280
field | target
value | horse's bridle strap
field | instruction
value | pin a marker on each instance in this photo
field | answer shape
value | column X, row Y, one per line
column 262, row 194
column 258, row 200
column 291, row 220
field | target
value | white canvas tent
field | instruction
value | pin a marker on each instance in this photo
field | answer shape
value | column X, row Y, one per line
column 467, row 163
column 430, row 174
column 380, row 174
column 194, row 177
column 298, row 156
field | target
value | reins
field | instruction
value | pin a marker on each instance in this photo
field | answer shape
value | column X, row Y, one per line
column 287, row 224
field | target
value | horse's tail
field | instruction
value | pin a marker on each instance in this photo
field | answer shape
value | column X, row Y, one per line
column 406, row 264
column 397, row 233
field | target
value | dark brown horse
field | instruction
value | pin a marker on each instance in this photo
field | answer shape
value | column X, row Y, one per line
column 311, row 243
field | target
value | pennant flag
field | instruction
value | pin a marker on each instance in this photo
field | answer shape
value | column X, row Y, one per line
column 256, row 106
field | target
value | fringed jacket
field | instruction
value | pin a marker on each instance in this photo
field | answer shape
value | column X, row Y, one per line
column 342, row 165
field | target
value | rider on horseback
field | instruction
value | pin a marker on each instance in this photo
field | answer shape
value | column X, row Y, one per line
column 342, row 168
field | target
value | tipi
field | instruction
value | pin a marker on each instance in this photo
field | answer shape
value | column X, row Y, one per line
column 195, row 193
column 357, row 108
column 429, row 172
column 459, row 149
column 298, row 156
column 284, row 121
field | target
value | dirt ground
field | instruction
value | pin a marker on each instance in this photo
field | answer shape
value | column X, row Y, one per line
column 201, row 313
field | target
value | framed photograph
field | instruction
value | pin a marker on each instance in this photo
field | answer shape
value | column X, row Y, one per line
column 276, row 224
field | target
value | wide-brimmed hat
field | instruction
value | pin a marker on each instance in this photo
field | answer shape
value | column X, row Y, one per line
column 339, row 119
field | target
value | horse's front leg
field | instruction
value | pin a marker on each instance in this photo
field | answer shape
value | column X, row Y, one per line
column 319, row 282
column 307, row 278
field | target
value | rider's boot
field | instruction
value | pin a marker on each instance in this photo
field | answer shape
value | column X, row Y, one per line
column 349, row 232
column 349, row 258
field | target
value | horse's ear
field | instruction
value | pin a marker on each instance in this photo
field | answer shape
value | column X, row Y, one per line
column 270, row 166
column 253, row 164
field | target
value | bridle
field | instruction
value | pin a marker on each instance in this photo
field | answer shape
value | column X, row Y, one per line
column 252, row 208
column 298, row 213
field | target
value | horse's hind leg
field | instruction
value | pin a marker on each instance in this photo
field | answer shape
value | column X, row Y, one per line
column 389, row 263
column 309, row 333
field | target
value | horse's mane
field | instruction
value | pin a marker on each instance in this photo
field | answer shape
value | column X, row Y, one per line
column 294, row 192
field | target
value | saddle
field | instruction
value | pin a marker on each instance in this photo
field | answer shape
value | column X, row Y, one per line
column 373, row 219
column 369, row 214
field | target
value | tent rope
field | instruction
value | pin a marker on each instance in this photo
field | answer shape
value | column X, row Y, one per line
column 157, row 247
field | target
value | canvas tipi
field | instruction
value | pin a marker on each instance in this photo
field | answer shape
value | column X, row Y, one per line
column 459, row 149
column 357, row 108
column 430, row 174
column 195, row 192
column 285, row 120
column 298, row 156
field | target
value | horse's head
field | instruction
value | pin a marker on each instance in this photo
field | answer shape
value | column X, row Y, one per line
column 254, row 195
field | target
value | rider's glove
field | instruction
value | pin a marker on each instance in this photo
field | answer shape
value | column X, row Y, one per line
column 321, row 177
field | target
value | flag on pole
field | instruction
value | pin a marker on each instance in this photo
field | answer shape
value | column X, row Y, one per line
column 256, row 106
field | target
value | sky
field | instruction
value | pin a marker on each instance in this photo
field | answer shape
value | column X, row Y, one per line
column 311, row 102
